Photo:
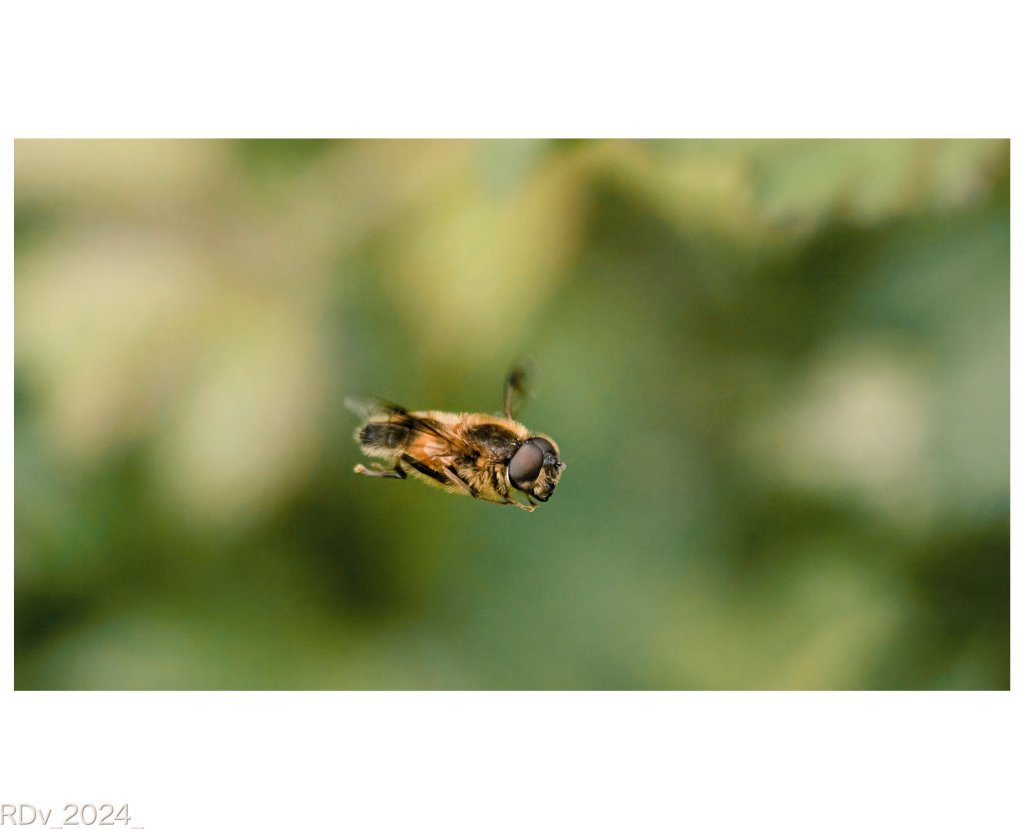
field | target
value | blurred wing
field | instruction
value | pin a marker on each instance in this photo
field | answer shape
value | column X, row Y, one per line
column 369, row 408
column 516, row 388
column 435, row 439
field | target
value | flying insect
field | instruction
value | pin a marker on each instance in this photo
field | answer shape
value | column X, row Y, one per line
column 484, row 456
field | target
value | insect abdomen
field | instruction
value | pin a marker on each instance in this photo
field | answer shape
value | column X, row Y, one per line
column 383, row 438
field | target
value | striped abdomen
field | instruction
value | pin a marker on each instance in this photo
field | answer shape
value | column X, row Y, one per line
column 385, row 440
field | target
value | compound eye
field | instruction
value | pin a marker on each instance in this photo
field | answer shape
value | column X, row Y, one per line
column 545, row 445
column 525, row 465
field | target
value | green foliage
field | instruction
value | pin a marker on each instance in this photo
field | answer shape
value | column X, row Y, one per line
column 778, row 372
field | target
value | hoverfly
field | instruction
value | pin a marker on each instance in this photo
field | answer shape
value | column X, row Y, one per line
column 479, row 455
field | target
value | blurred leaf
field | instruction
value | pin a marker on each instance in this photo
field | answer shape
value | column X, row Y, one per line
column 102, row 316
column 469, row 258
column 803, row 183
column 156, row 177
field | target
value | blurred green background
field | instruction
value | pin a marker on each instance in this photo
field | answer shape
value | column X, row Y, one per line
column 778, row 372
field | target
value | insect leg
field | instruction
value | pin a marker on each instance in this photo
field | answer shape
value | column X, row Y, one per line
column 515, row 503
column 380, row 472
column 453, row 476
